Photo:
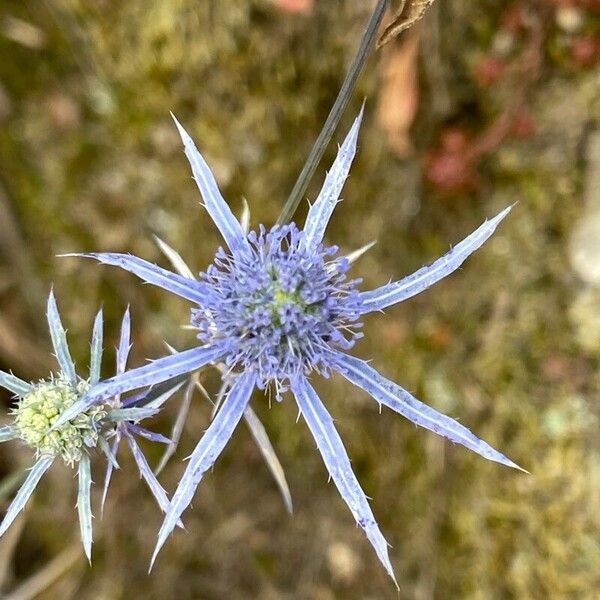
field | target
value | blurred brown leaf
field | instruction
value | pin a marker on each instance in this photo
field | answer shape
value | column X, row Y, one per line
column 410, row 12
column 8, row 544
column 398, row 98
column 5, row 103
column 298, row 7
column 48, row 574
column 23, row 32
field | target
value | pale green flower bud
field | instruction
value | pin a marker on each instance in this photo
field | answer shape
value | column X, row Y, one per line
column 37, row 411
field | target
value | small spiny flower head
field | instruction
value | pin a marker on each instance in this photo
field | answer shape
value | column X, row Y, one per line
column 37, row 411
column 280, row 308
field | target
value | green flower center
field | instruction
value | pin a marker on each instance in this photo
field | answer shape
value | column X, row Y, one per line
column 37, row 411
column 281, row 297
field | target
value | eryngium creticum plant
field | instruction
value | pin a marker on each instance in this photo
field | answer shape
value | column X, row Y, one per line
column 39, row 406
column 275, row 307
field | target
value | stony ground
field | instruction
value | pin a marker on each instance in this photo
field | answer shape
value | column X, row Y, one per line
column 503, row 107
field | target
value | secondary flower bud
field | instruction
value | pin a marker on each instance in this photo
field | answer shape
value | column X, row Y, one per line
column 38, row 410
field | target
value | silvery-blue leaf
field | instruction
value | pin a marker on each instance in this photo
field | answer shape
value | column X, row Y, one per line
column 320, row 212
column 59, row 340
column 156, row 395
column 111, row 464
column 420, row 280
column 8, row 433
column 157, row 402
column 25, row 491
column 157, row 371
column 96, row 349
column 336, row 460
column 150, row 273
column 106, row 449
column 206, row 452
column 136, row 413
column 213, row 201
column 146, row 472
column 180, row 420
column 135, row 399
column 149, row 435
column 392, row 395
column 84, row 505
column 13, row 384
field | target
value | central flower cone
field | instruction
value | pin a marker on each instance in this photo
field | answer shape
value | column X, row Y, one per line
column 38, row 410
column 280, row 308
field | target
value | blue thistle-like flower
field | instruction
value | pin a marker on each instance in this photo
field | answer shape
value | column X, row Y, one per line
column 280, row 308
column 274, row 307
column 40, row 406
column 254, row 424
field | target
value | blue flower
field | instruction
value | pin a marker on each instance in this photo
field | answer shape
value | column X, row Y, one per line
column 255, row 426
column 275, row 307
column 40, row 406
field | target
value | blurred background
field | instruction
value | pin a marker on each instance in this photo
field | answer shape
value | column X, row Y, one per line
column 480, row 105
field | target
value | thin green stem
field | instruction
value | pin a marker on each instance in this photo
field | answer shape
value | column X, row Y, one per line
column 334, row 116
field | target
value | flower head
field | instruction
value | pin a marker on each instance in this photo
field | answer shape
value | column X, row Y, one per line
column 38, row 410
column 280, row 308
column 38, row 422
column 253, row 422
column 274, row 307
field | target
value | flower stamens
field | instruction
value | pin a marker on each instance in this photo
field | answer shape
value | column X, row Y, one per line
column 38, row 410
column 280, row 309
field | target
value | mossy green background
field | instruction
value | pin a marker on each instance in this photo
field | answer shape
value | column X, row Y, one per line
column 90, row 160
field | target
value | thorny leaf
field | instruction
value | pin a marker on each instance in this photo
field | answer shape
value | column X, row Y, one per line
column 410, row 12
column 398, row 98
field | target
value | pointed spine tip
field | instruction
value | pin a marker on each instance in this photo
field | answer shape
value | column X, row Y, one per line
column 185, row 137
column 505, row 212
column 153, row 559
column 515, row 466
column 361, row 112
